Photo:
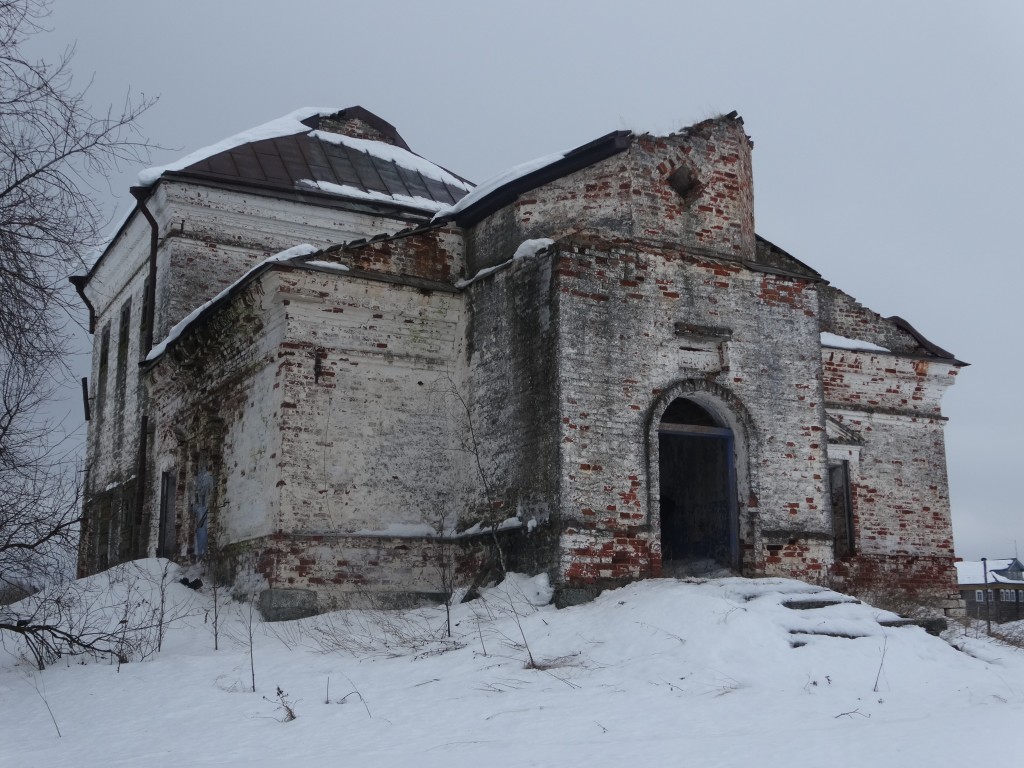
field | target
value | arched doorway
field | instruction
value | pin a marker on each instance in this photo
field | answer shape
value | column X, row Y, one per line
column 697, row 484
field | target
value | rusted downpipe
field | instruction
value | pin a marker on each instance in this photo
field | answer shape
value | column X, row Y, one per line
column 79, row 282
column 140, row 194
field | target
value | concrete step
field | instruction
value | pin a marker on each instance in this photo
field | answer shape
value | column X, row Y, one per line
column 821, row 602
column 934, row 626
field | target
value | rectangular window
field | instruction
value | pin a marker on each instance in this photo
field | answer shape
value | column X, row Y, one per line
column 125, row 530
column 123, row 334
column 842, row 508
column 103, row 537
column 979, row 596
column 167, row 536
column 144, row 318
column 101, row 377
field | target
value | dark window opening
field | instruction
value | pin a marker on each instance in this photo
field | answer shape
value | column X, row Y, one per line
column 144, row 318
column 682, row 411
column 167, row 536
column 103, row 537
column 123, row 333
column 101, row 378
column 699, row 528
column 129, row 532
column 842, row 508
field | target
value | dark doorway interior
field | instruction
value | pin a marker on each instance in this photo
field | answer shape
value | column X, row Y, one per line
column 698, row 492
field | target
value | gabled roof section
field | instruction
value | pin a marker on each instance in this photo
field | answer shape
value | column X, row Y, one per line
column 503, row 189
column 929, row 347
column 840, row 434
column 768, row 254
column 349, row 153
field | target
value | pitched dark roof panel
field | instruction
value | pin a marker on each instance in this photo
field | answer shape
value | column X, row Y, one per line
column 285, row 162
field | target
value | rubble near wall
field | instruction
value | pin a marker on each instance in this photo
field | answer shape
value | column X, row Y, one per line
column 692, row 189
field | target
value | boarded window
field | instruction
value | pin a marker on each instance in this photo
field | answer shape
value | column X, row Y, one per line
column 842, row 508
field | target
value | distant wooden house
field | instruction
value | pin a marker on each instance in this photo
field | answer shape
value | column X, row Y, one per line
column 999, row 596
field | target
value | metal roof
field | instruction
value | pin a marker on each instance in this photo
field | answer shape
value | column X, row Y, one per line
column 291, row 162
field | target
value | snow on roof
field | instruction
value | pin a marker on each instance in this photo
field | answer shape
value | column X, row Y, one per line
column 973, row 572
column 304, row 249
column 329, row 265
column 393, row 154
column 842, row 342
column 282, row 126
column 345, row 190
column 526, row 249
column 392, row 175
column 500, row 180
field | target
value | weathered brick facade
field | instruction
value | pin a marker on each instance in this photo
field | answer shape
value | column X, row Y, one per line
column 595, row 368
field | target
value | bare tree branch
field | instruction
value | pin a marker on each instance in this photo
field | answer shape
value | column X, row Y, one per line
column 52, row 144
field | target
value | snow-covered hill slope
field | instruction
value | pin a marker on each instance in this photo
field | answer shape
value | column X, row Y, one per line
column 662, row 672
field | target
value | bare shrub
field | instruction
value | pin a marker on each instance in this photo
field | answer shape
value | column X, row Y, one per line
column 285, row 704
column 120, row 614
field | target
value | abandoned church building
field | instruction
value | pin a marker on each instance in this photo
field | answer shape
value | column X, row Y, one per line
column 322, row 357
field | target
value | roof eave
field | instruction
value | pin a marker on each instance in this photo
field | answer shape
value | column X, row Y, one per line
column 932, row 349
column 300, row 195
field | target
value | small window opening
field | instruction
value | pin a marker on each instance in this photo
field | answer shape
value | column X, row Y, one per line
column 842, row 508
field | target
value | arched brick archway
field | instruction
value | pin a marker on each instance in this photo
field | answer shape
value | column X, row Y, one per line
column 699, row 436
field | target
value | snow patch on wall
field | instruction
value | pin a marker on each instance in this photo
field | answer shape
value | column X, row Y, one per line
column 526, row 249
column 326, row 265
column 344, row 190
column 841, row 342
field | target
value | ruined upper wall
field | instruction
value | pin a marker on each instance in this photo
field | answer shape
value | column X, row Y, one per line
column 432, row 254
column 691, row 190
column 843, row 315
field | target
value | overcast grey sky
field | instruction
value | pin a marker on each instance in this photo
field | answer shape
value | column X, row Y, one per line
column 887, row 148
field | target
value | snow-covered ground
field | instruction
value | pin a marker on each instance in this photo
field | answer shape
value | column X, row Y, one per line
column 663, row 672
